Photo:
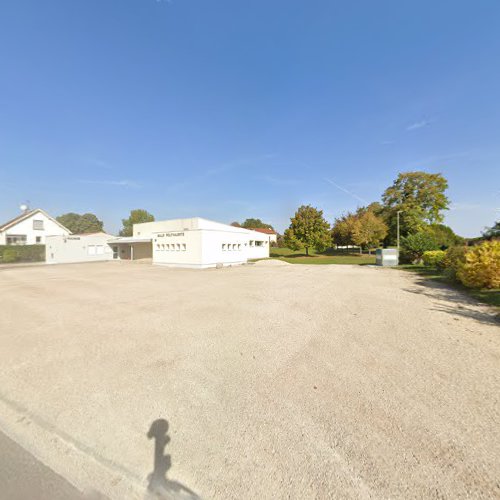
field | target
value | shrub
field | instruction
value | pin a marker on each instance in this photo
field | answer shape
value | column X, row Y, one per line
column 415, row 245
column 433, row 258
column 452, row 259
column 481, row 268
column 22, row 253
column 9, row 255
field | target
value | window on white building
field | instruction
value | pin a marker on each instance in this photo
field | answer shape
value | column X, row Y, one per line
column 37, row 224
column 251, row 243
column 223, row 247
column 183, row 247
column 91, row 250
column 38, row 239
column 234, row 246
column 259, row 243
column 178, row 247
column 16, row 239
column 100, row 249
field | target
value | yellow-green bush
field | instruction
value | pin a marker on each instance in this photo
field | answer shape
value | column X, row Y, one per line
column 452, row 259
column 433, row 258
column 481, row 267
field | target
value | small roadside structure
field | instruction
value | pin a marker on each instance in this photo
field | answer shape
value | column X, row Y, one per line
column 387, row 257
column 74, row 248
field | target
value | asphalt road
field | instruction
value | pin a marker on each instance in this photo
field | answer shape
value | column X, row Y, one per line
column 23, row 477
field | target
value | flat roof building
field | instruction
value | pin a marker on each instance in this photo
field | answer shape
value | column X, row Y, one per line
column 202, row 243
column 194, row 242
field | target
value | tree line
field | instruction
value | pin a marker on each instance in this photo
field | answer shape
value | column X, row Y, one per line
column 418, row 197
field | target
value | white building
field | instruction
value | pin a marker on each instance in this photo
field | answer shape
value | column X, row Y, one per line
column 201, row 243
column 195, row 242
column 31, row 228
column 93, row 247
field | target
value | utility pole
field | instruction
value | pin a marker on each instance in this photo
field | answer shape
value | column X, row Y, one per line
column 398, row 212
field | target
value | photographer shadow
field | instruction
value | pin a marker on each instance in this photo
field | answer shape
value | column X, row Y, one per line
column 159, row 486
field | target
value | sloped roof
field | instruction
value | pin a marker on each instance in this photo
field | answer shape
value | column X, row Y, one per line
column 27, row 215
column 264, row 230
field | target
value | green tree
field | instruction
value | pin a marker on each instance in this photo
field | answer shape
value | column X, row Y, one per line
column 256, row 223
column 492, row 232
column 343, row 230
column 363, row 229
column 421, row 198
column 369, row 230
column 137, row 216
column 444, row 236
column 81, row 224
column 415, row 245
column 308, row 229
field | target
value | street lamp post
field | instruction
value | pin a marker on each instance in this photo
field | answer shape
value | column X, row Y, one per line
column 398, row 212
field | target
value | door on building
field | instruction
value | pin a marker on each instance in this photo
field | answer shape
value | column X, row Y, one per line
column 115, row 252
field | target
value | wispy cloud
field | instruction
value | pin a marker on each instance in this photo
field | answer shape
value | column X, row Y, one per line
column 350, row 193
column 434, row 161
column 98, row 162
column 465, row 206
column 122, row 183
column 219, row 170
column 419, row 124
column 277, row 181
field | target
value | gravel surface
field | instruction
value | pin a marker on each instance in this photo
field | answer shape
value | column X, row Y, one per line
column 276, row 381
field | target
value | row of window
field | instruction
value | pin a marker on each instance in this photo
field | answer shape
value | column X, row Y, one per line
column 231, row 247
column 171, row 247
column 98, row 249
column 20, row 239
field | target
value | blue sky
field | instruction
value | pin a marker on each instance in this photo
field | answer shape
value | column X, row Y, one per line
column 232, row 109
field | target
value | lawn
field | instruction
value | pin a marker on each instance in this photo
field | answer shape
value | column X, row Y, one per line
column 490, row 297
column 327, row 257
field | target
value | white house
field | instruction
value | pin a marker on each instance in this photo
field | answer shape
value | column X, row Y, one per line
column 30, row 228
column 201, row 243
column 92, row 247
column 272, row 235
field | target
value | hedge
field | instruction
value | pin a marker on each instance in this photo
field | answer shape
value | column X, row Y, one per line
column 22, row 253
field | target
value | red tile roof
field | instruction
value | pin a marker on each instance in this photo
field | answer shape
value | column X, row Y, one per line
column 262, row 230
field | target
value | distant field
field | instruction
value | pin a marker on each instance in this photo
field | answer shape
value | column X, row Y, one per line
column 328, row 257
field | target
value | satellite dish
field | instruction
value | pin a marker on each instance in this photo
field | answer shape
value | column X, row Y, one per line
column 24, row 207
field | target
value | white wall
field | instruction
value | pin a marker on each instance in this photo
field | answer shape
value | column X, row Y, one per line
column 78, row 248
column 202, row 243
column 25, row 227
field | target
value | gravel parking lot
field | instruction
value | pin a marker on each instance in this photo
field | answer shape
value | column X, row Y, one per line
column 276, row 381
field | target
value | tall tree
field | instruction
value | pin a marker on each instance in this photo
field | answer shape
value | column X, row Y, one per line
column 363, row 229
column 81, row 224
column 308, row 229
column 420, row 197
column 343, row 230
column 369, row 230
column 443, row 235
column 256, row 223
column 137, row 216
